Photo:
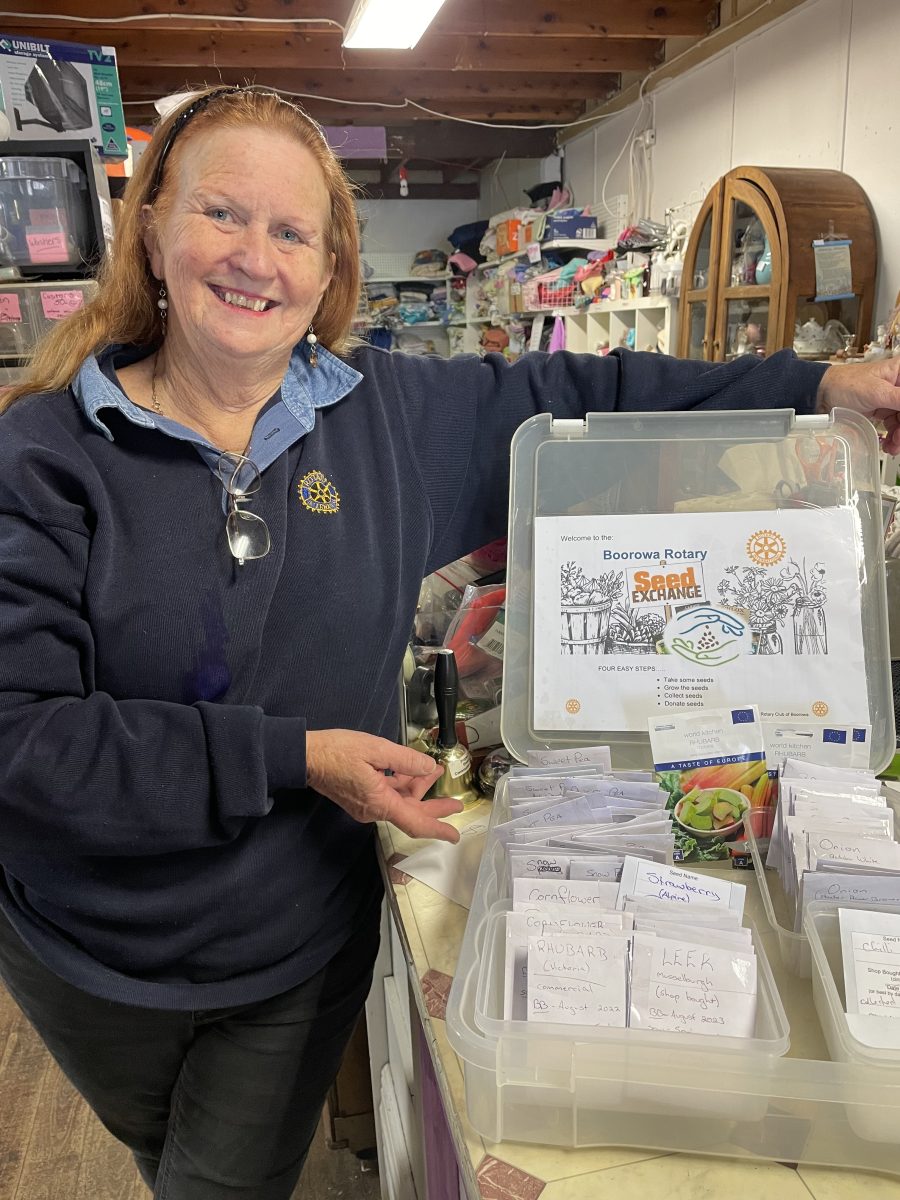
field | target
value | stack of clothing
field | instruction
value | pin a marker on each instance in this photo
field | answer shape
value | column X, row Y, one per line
column 414, row 304
column 429, row 264
column 382, row 300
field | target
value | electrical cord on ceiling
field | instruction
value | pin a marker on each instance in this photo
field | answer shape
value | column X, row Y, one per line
column 497, row 125
column 135, row 18
column 406, row 103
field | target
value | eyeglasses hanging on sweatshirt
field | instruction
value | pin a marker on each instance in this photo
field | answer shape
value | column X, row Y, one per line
column 248, row 534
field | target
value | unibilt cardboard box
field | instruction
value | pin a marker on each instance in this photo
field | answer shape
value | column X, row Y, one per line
column 62, row 90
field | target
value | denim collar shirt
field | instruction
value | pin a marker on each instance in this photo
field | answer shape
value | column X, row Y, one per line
column 289, row 415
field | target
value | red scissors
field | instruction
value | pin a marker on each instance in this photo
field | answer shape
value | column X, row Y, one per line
column 823, row 474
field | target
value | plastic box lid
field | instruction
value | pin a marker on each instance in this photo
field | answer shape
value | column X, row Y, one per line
column 35, row 167
column 803, row 477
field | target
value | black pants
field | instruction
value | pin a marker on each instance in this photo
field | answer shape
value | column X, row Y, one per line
column 215, row 1105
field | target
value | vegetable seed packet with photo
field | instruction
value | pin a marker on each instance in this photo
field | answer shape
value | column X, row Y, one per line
column 712, row 765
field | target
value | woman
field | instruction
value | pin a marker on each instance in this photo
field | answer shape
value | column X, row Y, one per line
column 215, row 514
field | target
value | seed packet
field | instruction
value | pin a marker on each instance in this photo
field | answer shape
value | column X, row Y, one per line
column 712, row 765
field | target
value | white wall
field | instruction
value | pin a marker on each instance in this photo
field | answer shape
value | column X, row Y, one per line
column 503, row 184
column 817, row 88
column 405, row 226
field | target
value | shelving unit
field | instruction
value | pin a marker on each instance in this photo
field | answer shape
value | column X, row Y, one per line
column 394, row 269
column 653, row 319
column 584, row 244
column 404, row 279
column 605, row 324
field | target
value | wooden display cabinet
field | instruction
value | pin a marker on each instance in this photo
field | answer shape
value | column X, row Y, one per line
column 749, row 269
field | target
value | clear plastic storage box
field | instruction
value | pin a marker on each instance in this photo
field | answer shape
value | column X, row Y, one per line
column 29, row 310
column 777, row 1095
column 43, row 212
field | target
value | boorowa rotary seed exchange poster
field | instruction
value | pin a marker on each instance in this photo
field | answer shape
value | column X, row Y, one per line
column 637, row 614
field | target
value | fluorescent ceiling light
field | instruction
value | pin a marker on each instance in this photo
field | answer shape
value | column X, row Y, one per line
column 388, row 24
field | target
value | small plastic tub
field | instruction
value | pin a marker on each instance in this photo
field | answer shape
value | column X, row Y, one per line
column 43, row 212
column 29, row 310
column 53, row 302
column 540, row 1050
column 780, row 909
column 18, row 328
column 868, row 1066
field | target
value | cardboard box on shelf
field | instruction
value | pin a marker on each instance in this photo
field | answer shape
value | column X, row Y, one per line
column 569, row 225
column 59, row 90
column 508, row 237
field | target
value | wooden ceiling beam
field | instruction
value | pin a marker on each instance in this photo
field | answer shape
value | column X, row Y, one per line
column 455, row 143
column 511, row 18
column 421, row 191
column 500, row 53
column 432, row 88
column 252, row 50
column 577, row 18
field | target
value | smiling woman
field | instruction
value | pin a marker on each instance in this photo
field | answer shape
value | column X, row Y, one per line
column 216, row 512
column 243, row 256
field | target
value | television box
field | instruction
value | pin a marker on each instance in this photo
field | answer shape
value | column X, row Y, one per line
column 59, row 90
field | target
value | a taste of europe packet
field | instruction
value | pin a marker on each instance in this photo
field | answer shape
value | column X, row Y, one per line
column 712, row 765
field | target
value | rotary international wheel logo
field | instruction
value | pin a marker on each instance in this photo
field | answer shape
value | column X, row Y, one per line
column 820, row 709
column 766, row 548
column 573, row 706
column 318, row 494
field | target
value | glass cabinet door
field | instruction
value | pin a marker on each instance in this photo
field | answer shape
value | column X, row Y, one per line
column 746, row 327
column 698, row 342
column 699, row 281
column 749, row 275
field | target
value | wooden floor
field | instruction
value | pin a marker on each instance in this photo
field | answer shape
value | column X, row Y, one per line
column 53, row 1148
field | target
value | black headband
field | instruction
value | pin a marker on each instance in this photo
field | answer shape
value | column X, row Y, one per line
column 178, row 124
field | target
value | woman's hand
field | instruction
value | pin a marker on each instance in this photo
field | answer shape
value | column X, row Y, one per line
column 872, row 389
column 348, row 767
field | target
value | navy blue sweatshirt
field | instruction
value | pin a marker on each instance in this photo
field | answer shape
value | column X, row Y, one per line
column 158, row 844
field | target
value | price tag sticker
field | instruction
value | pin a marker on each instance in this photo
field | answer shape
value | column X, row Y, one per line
column 57, row 305
column 10, row 309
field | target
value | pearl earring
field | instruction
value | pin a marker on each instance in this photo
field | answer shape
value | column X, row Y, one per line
column 163, row 305
column 312, row 342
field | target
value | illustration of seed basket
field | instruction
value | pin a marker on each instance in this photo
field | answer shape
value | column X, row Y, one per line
column 585, row 609
column 584, row 627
